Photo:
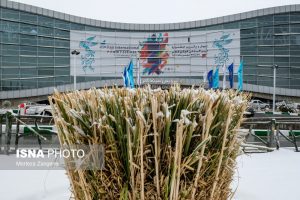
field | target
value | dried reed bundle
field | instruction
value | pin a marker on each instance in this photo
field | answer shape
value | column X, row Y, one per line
column 159, row 144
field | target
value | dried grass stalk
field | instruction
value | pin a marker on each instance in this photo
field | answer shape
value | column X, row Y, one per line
column 159, row 144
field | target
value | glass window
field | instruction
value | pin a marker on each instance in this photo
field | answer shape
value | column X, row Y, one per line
column 295, row 17
column 62, row 52
column 45, row 82
column 45, row 61
column 10, row 61
column 249, row 42
column 61, row 80
column 62, row 61
column 28, row 29
column 28, row 40
column 263, row 50
column 295, row 39
column 42, row 41
column 46, row 71
column 281, row 19
column 10, row 14
column 28, row 50
column 247, row 33
column 10, row 26
column 45, row 51
column 265, row 60
column 249, row 23
column 10, row 38
column 10, row 50
column 283, row 81
column 283, row 29
column 10, row 72
column 265, row 35
column 59, row 71
column 92, row 28
column 295, row 28
column 28, row 18
column 215, row 27
column 295, row 59
column 62, row 24
column 45, row 31
column 27, row 61
column 61, row 33
column 28, row 72
column 28, row 83
column 281, row 40
column 10, row 84
column 46, row 21
column 75, row 26
column 62, row 43
column 249, row 50
column 265, row 20
column 231, row 25
column 282, row 61
column 295, row 73
column 278, row 50
column 295, row 83
column 250, row 60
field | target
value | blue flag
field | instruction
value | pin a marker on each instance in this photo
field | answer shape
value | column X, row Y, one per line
column 130, row 74
column 210, row 78
column 125, row 77
column 230, row 69
column 216, row 79
column 240, row 76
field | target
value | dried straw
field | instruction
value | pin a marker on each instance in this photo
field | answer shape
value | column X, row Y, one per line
column 159, row 144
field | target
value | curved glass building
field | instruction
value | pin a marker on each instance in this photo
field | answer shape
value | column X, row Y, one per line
column 36, row 43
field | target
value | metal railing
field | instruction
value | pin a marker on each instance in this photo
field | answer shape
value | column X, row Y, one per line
column 273, row 132
column 9, row 118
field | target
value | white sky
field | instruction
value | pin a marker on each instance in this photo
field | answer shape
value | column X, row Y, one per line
column 154, row 11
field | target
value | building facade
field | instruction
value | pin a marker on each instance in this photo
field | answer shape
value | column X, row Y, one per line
column 36, row 43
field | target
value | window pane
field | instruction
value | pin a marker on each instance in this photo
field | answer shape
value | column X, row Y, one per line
column 28, row 40
column 295, row 28
column 62, row 61
column 28, row 61
column 28, row 72
column 10, row 50
column 265, row 20
column 27, row 17
column 45, row 41
column 45, row 31
column 295, row 17
column 45, row 61
column 283, row 29
column 45, row 51
column 10, row 14
column 281, row 19
column 11, row 38
column 28, row 29
column 61, row 33
column 77, row 27
column 10, row 61
column 46, row 21
column 62, row 43
column 62, row 24
column 28, row 50
column 10, row 26
column 46, row 71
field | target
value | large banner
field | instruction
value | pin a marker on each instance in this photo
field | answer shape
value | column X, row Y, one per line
column 186, row 53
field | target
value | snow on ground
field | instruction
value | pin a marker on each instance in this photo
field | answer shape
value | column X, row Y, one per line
column 266, row 176
column 34, row 185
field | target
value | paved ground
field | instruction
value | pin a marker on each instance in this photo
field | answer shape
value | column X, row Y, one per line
column 267, row 176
